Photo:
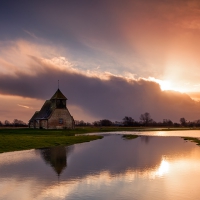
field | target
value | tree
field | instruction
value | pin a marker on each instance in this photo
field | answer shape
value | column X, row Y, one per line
column 183, row 121
column 7, row 123
column 96, row 123
column 82, row 123
column 167, row 122
column 197, row 122
column 17, row 122
column 105, row 122
column 128, row 121
column 146, row 118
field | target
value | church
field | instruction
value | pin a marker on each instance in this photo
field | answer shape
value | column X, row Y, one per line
column 53, row 114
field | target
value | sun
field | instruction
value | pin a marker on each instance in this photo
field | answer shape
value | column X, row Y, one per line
column 172, row 85
column 164, row 84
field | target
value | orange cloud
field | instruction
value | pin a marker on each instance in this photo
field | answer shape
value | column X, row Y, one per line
column 23, row 106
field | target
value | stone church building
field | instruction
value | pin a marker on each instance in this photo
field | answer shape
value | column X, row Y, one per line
column 53, row 114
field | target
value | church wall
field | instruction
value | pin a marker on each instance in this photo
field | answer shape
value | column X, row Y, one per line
column 43, row 124
column 60, row 119
column 36, row 124
column 31, row 124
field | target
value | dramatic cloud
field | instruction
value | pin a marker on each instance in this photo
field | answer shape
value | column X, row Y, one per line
column 99, row 50
column 94, row 95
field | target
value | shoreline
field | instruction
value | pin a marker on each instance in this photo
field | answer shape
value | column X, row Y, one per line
column 16, row 139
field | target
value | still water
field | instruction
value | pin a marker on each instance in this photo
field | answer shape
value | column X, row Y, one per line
column 148, row 167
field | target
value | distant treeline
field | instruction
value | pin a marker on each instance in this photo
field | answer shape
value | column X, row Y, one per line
column 15, row 123
column 145, row 120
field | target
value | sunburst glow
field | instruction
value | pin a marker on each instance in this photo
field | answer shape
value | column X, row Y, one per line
column 164, row 84
column 163, row 168
column 173, row 86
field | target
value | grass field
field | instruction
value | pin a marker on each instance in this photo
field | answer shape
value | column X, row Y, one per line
column 22, row 139
column 16, row 139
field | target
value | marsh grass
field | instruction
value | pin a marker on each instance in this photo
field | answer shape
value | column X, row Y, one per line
column 130, row 137
column 196, row 140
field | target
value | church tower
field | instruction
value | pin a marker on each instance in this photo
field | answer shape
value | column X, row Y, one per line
column 59, row 100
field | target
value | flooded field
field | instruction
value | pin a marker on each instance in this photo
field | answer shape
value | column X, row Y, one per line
column 148, row 167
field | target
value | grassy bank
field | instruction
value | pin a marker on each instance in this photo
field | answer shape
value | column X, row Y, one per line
column 22, row 139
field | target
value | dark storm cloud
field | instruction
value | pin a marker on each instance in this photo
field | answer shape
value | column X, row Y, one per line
column 112, row 98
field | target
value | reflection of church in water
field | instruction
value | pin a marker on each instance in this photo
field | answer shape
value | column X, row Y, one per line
column 56, row 157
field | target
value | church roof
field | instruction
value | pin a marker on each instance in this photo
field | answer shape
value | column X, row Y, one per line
column 58, row 95
column 34, row 116
column 45, row 111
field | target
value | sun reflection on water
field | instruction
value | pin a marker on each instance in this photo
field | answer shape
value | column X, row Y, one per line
column 163, row 168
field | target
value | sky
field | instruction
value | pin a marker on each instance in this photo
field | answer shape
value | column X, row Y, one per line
column 113, row 58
